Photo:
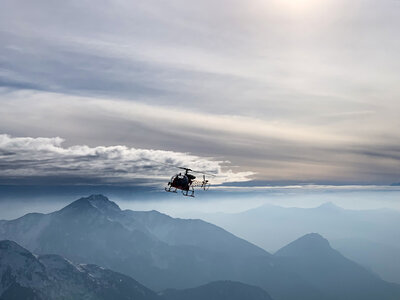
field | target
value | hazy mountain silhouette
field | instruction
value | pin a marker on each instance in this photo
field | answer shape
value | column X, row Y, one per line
column 348, row 231
column 162, row 252
column 381, row 258
column 312, row 258
column 159, row 251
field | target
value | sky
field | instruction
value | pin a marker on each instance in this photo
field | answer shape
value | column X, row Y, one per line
column 269, row 92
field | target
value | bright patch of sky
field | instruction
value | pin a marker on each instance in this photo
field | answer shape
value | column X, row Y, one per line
column 300, row 91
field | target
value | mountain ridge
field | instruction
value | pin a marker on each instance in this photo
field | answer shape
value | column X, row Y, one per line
column 52, row 277
column 163, row 252
column 152, row 247
column 379, row 226
column 312, row 258
column 310, row 243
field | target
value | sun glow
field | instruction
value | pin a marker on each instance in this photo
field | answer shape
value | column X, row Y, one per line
column 298, row 6
column 298, row 3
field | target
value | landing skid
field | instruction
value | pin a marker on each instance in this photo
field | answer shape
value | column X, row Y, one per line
column 186, row 193
column 189, row 193
column 169, row 190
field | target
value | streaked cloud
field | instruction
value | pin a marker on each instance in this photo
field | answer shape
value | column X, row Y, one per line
column 279, row 151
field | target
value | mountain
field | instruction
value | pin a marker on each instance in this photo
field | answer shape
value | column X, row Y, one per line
column 381, row 258
column 51, row 277
column 340, row 226
column 310, row 245
column 159, row 251
column 220, row 290
column 149, row 246
column 29, row 277
column 313, row 259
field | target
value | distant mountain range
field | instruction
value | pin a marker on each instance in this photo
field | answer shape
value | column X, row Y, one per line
column 25, row 276
column 151, row 247
column 164, row 254
column 370, row 237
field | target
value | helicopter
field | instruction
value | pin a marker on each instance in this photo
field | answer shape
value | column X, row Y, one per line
column 187, row 182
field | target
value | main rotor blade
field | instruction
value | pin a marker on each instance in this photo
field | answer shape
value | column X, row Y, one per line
column 186, row 169
column 204, row 173
column 182, row 168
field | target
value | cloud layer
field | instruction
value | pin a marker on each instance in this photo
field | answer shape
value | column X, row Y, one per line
column 45, row 160
column 275, row 151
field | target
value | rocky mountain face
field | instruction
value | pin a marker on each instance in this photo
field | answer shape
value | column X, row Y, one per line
column 25, row 276
column 149, row 246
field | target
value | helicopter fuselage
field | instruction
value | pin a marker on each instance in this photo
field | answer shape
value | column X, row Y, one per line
column 186, row 183
column 182, row 181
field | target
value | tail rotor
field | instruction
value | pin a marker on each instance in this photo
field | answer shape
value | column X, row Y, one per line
column 205, row 185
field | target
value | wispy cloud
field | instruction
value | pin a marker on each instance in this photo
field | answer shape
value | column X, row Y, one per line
column 276, row 151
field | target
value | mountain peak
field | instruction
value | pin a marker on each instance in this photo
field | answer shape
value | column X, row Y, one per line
column 309, row 244
column 102, row 203
column 99, row 202
column 329, row 206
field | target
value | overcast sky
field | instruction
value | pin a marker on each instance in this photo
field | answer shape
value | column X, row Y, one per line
column 275, row 91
